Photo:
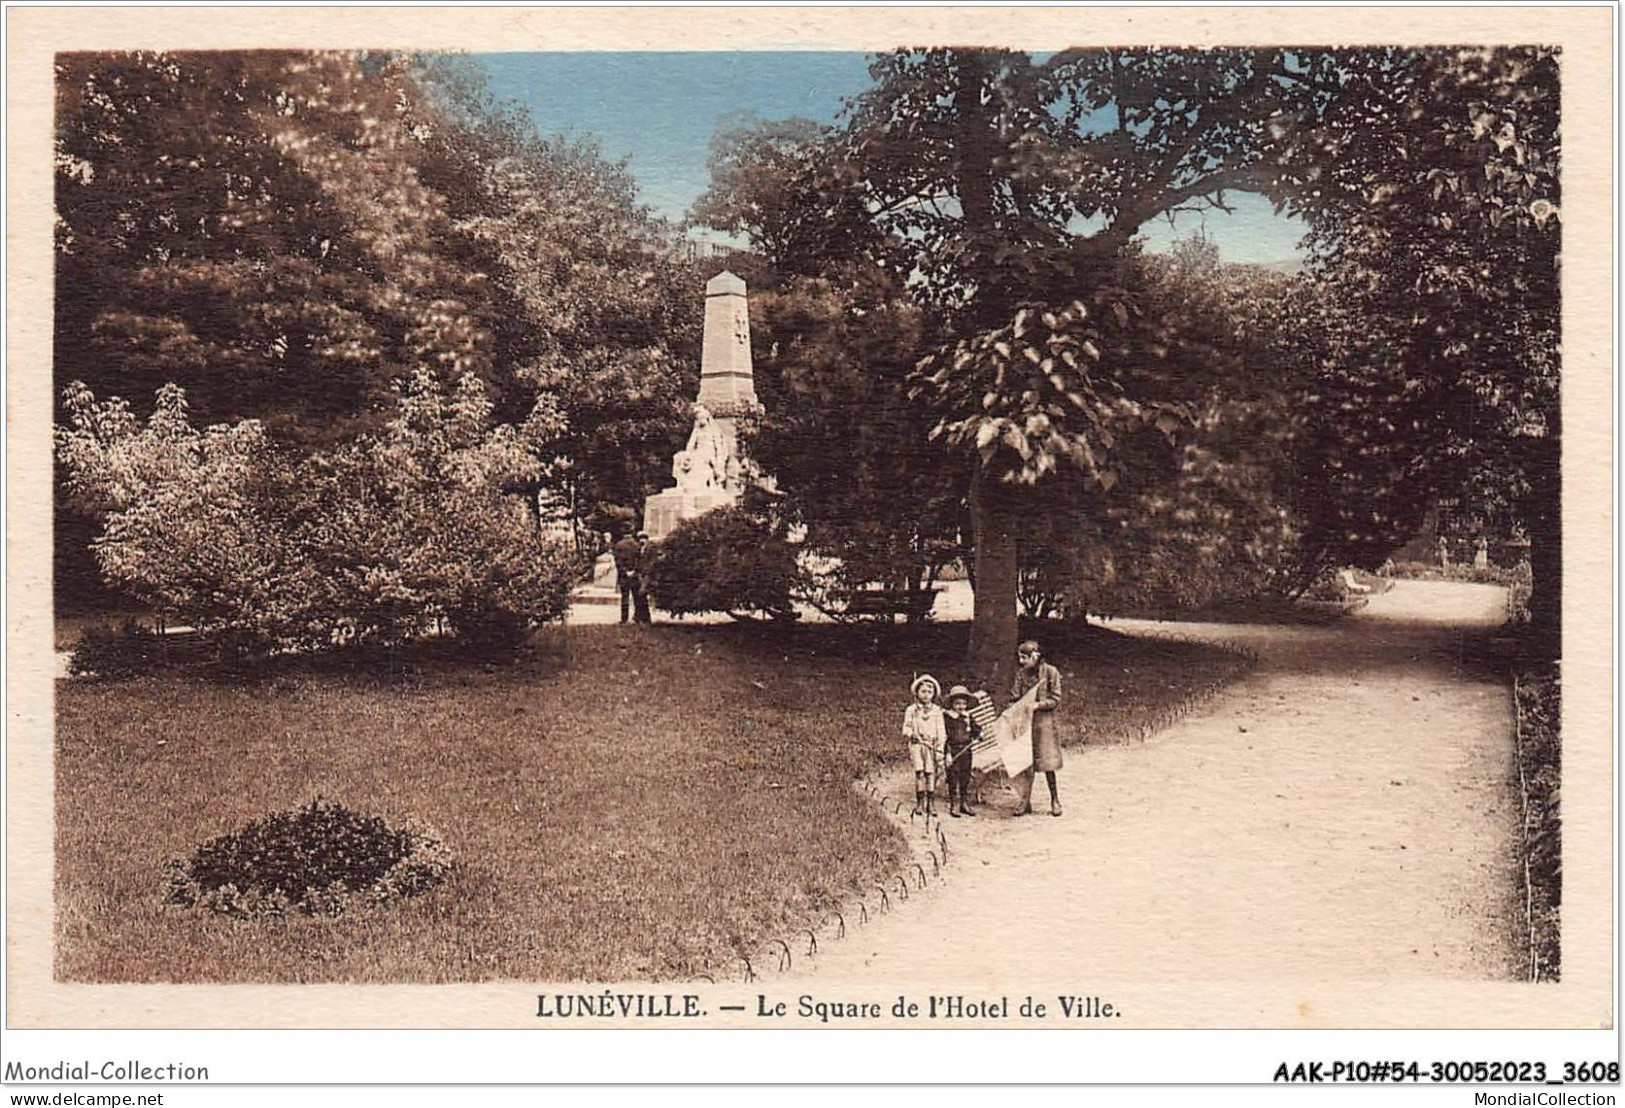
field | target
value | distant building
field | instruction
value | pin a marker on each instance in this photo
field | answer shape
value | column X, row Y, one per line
column 694, row 246
column 701, row 249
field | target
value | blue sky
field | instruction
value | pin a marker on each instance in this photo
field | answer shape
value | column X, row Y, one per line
column 660, row 110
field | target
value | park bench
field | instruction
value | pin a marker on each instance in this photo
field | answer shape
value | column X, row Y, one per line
column 1350, row 584
column 890, row 603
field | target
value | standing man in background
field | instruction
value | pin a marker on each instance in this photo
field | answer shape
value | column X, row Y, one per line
column 629, row 556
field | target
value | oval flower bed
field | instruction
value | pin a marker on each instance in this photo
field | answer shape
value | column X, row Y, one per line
column 317, row 860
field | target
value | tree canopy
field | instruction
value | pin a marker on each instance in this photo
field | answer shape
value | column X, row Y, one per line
column 1004, row 195
column 850, row 453
column 289, row 237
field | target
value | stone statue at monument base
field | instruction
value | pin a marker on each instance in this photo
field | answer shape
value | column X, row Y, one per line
column 702, row 466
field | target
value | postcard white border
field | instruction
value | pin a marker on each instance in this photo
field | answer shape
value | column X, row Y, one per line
column 1585, row 997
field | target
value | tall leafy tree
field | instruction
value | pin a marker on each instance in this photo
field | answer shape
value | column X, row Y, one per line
column 225, row 223
column 254, row 227
column 607, row 310
column 1218, row 516
column 772, row 181
column 850, row 453
column 1435, row 196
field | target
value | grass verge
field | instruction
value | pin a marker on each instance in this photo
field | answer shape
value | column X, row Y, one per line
column 1539, row 704
column 625, row 803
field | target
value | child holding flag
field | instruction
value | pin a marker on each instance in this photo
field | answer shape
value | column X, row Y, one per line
column 962, row 731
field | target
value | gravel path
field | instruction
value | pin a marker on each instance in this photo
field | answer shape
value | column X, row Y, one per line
column 1345, row 812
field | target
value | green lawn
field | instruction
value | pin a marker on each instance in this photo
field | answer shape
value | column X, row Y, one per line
column 624, row 803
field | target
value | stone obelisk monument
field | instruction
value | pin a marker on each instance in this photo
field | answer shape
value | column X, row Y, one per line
column 711, row 471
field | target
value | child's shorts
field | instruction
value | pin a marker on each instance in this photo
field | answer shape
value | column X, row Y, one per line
column 923, row 756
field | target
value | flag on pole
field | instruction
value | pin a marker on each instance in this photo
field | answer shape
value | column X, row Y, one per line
column 983, row 754
column 1008, row 741
column 981, row 712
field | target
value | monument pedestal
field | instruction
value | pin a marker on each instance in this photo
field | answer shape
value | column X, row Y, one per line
column 663, row 511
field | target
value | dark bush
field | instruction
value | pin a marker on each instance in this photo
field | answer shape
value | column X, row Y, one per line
column 125, row 651
column 728, row 560
column 314, row 859
column 1518, row 594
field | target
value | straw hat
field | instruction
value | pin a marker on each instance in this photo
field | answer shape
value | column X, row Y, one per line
column 959, row 691
column 926, row 679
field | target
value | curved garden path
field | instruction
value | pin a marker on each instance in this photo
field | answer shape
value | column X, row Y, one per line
column 1346, row 811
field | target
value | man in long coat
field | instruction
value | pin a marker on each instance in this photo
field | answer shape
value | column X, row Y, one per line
column 630, row 554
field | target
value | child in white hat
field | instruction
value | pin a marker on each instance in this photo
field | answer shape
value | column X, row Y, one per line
column 924, row 730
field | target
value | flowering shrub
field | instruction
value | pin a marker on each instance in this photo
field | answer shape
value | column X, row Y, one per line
column 318, row 860
column 418, row 526
column 423, row 526
column 192, row 517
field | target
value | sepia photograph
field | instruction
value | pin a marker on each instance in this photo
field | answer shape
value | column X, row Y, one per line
column 941, row 534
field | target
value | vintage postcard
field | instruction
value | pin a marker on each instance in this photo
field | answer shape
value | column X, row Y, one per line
column 1068, row 518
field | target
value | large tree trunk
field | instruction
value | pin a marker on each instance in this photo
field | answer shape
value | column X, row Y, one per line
column 976, row 144
column 992, row 654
